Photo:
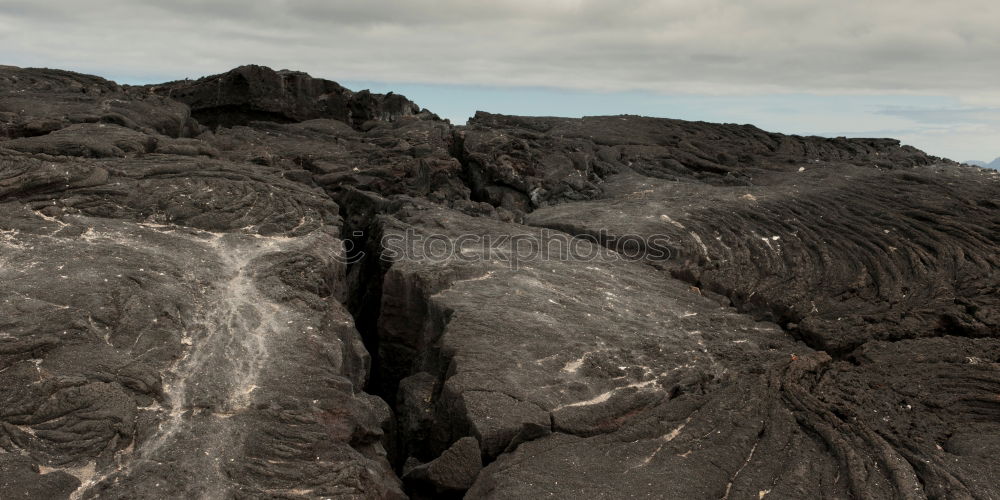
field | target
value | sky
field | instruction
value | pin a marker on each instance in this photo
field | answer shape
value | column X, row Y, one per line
column 922, row 71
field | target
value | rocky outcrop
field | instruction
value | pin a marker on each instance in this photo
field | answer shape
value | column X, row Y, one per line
column 264, row 285
column 523, row 163
column 36, row 102
column 250, row 93
column 160, row 312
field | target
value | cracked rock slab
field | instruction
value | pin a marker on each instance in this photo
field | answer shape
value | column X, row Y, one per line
column 557, row 343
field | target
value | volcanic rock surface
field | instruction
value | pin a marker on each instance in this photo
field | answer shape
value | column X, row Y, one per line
column 264, row 285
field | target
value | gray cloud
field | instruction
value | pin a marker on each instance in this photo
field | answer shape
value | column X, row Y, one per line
column 921, row 46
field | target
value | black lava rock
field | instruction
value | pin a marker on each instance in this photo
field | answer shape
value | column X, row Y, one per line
column 264, row 285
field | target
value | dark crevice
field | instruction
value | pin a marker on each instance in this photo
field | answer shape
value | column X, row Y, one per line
column 400, row 346
column 408, row 370
column 365, row 272
column 471, row 174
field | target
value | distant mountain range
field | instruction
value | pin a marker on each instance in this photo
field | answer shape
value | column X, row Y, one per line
column 993, row 164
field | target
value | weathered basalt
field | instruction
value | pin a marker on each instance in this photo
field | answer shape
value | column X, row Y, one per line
column 257, row 93
column 839, row 254
column 526, row 162
column 261, row 284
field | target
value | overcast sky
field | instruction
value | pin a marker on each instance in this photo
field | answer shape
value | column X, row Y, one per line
column 924, row 71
